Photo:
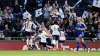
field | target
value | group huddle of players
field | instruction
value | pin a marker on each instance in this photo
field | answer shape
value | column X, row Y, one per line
column 48, row 39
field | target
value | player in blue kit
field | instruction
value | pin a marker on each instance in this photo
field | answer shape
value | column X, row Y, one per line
column 80, row 27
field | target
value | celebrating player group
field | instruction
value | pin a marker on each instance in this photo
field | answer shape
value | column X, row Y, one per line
column 48, row 39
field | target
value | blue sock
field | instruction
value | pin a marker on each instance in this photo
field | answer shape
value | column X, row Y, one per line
column 85, row 45
column 78, row 46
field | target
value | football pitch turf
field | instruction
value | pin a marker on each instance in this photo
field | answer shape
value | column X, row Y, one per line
column 48, row 53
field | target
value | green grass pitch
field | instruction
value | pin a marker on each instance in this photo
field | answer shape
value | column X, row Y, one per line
column 48, row 53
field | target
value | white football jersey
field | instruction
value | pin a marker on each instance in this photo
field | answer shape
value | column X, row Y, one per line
column 44, row 32
column 27, row 26
column 62, row 36
column 43, row 37
column 55, row 30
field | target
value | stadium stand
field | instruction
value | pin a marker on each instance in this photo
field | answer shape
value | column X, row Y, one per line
column 11, row 14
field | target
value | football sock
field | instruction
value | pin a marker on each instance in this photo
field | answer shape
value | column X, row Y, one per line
column 61, row 44
column 57, row 44
column 85, row 45
column 78, row 46
column 37, row 46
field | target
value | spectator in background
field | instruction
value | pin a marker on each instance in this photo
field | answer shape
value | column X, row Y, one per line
column 46, row 13
column 60, row 23
column 67, row 9
column 7, row 31
column 49, row 8
column 23, row 3
column 98, row 30
column 4, row 16
column 54, row 13
column 49, row 22
column 66, row 23
column 70, row 30
column 17, row 28
column 84, row 3
column 16, row 9
column 7, row 13
column 7, row 9
column 56, row 4
column 96, row 17
column 98, row 23
column 92, row 34
column 49, row 2
column 73, row 16
column 90, row 17
column 98, row 34
column 1, row 13
column 8, row 22
column 10, row 15
column 1, row 28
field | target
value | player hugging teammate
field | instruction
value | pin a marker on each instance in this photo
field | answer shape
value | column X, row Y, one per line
column 47, row 39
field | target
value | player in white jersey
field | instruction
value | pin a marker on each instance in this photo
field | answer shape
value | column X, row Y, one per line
column 28, row 27
column 42, row 40
column 62, row 38
column 55, row 33
column 32, row 43
column 50, row 41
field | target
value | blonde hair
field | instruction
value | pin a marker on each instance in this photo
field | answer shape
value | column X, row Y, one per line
column 80, row 19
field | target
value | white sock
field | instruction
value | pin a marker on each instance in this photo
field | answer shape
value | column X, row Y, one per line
column 31, row 42
column 61, row 44
column 57, row 44
column 36, row 46
column 27, row 41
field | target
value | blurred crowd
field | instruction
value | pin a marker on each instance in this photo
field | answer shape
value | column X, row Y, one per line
column 11, row 19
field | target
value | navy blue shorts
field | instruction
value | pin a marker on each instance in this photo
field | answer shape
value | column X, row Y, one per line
column 80, row 35
column 55, row 37
column 52, row 45
column 42, row 44
column 48, row 41
column 28, row 33
column 61, row 41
